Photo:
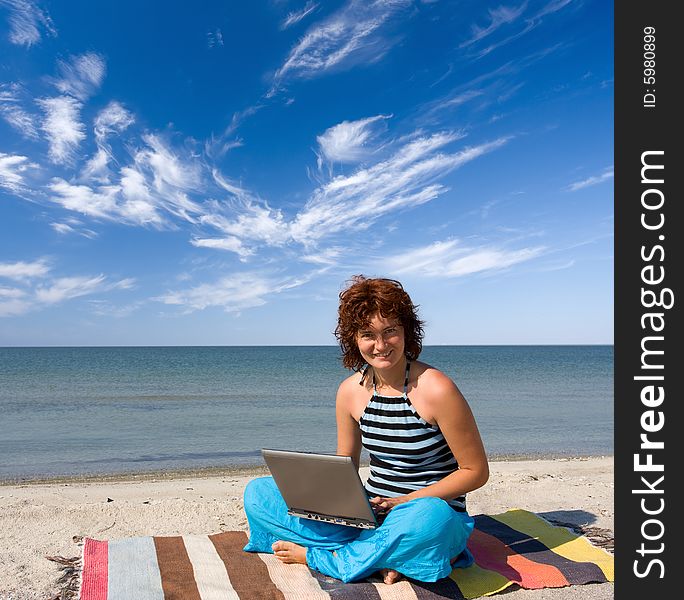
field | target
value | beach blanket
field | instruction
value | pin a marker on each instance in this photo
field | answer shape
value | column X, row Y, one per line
column 513, row 548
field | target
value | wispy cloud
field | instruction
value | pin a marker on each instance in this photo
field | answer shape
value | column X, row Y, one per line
column 155, row 186
column 214, row 38
column 552, row 7
column 13, row 302
column 172, row 177
column 327, row 256
column 62, row 127
column 217, row 145
column 405, row 179
column 502, row 15
column 65, row 288
column 73, row 227
column 83, row 199
column 346, row 37
column 346, row 142
column 352, row 202
column 22, row 271
column 103, row 308
column 12, row 111
column 296, row 16
column 451, row 101
column 40, row 290
column 529, row 26
column 229, row 243
column 81, row 75
column 112, row 120
column 508, row 18
column 450, row 259
column 12, row 169
column 26, row 21
column 489, row 88
column 247, row 220
column 593, row 180
column 232, row 293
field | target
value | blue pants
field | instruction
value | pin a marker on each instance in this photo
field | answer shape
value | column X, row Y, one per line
column 418, row 538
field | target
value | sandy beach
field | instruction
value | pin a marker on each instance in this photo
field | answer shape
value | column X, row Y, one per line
column 42, row 519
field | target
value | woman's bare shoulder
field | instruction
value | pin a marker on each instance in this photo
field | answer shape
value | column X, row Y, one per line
column 350, row 386
column 431, row 377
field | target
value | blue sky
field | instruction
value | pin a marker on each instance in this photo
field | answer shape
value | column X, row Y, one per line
column 213, row 175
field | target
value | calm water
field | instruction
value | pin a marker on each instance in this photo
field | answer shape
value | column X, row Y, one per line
column 70, row 411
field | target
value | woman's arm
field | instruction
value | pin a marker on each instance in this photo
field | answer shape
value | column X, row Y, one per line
column 455, row 419
column 348, row 431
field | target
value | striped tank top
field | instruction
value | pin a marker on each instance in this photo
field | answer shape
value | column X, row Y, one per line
column 406, row 452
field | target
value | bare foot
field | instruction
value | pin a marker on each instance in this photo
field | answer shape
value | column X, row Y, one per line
column 390, row 576
column 289, row 552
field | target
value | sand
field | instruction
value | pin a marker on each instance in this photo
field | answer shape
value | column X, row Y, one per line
column 39, row 519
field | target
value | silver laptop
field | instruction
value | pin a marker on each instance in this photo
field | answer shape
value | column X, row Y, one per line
column 322, row 487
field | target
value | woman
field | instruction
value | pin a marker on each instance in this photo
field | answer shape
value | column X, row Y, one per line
column 425, row 454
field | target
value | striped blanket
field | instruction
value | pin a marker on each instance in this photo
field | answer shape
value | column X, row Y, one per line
column 516, row 547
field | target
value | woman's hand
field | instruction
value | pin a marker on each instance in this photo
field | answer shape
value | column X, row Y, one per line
column 382, row 505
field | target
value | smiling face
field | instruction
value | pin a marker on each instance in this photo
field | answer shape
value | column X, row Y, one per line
column 381, row 342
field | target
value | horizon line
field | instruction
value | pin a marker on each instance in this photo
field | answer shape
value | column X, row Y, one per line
column 293, row 345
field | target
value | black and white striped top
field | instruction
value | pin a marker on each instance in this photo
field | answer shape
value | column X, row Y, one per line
column 406, row 452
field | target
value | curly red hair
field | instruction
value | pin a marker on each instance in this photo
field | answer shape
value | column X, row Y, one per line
column 360, row 301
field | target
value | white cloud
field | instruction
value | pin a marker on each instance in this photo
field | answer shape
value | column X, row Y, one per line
column 26, row 21
column 346, row 142
column 214, row 38
column 552, row 7
column 461, row 98
column 65, row 288
column 405, row 179
column 351, row 32
column 167, row 169
column 130, row 202
column 594, row 180
column 503, row 15
column 40, row 290
column 13, row 307
column 230, row 243
column 449, row 259
column 85, row 200
column 355, row 201
column 243, row 217
column 296, row 16
column 328, row 256
column 139, row 205
column 22, row 271
column 13, row 302
column 13, row 113
column 103, row 308
column 97, row 167
column 62, row 126
column 81, row 76
column 123, row 284
column 12, row 168
column 112, row 119
column 232, row 293
column 150, row 189
column 71, row 228
column 250, row 221
column 11, row 293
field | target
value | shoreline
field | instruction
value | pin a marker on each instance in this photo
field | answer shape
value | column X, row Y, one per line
column 247, row 470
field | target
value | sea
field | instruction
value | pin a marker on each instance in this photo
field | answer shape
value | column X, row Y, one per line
column 97, row 411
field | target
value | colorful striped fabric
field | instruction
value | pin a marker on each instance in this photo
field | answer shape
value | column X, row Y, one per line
column 516, row 547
